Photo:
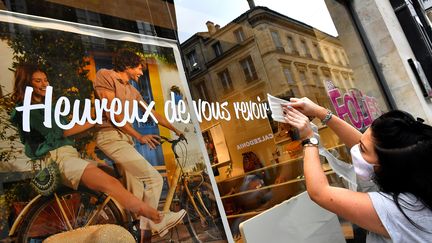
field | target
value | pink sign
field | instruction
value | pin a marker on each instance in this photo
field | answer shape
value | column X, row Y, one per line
column 354, row 106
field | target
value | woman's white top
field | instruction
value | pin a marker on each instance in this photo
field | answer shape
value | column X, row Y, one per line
column 397, row 225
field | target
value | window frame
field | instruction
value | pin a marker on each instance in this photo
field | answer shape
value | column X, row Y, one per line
column 239, row 35
column 292, row 82
column 277, row 40
column 305, row 47
column 202, row 89
column 318, row 51
column 292, row 45
column 192, row 54
column 225, row 79
column 217, row 49
column 251, row 73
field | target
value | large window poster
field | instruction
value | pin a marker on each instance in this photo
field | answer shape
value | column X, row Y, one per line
column 71, row 55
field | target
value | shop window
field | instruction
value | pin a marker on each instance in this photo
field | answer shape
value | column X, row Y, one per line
column 217, row 49
column 216, row 146
column 305, row 48
column 277, row 41
column 249, row 69
column 225, row 79
column 202, row 91
column 192, row 60
column 288, row 75
column 291, row 45
column 239, row 34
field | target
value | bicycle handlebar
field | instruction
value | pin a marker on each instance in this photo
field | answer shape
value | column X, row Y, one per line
column 173, row 142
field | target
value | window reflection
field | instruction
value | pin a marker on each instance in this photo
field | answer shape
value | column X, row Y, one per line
column 277, row 41
column 239, row 34
column 217, row 49
column 225, row 80
column 202, row 91
column 305, row 49
column 249, row 69
column 192, row 61
column 291, row 45
column 287, row 59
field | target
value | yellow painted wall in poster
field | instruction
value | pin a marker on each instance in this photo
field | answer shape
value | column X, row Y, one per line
column 155, row 83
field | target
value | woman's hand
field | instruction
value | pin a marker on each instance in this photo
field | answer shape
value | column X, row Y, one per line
column 307, row 107
column 296, row 119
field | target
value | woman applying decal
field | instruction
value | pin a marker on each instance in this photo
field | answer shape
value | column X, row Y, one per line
column 394, row 152
column 41, row 142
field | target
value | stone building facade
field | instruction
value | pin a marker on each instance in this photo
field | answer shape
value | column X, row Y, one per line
column 261, row 52
column 264, row 50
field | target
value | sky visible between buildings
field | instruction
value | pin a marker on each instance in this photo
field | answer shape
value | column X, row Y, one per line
column 193, row 14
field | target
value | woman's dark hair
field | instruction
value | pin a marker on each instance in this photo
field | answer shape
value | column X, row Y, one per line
column 404, row 149
column 125, row 58
column 22, row 78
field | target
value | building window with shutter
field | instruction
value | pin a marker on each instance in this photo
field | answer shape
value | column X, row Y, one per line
column 217, row 49
column 305, row 48
column 292, row 84
column 202, row 91
column 302, row 75
column 327, row 55
column 342, row 59
column 318, row 51
column 225, row 79
column 249, row 69
column 291, row 45
column 192, row 60
column 316, row 79
column 239, row 34
column 288, row 75
column 277, row 41
column 336, row 58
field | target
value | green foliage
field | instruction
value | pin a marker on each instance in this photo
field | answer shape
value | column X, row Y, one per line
column 8, row 132
column 61, row 54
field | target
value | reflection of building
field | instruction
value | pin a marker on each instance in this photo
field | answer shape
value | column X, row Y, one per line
column 266, row 50
column 261, row 52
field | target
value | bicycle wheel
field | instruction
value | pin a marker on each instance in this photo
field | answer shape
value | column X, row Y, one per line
column 209, row 229
column 45, row 218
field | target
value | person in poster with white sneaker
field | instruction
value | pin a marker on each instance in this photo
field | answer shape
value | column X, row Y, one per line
column 117, row 142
